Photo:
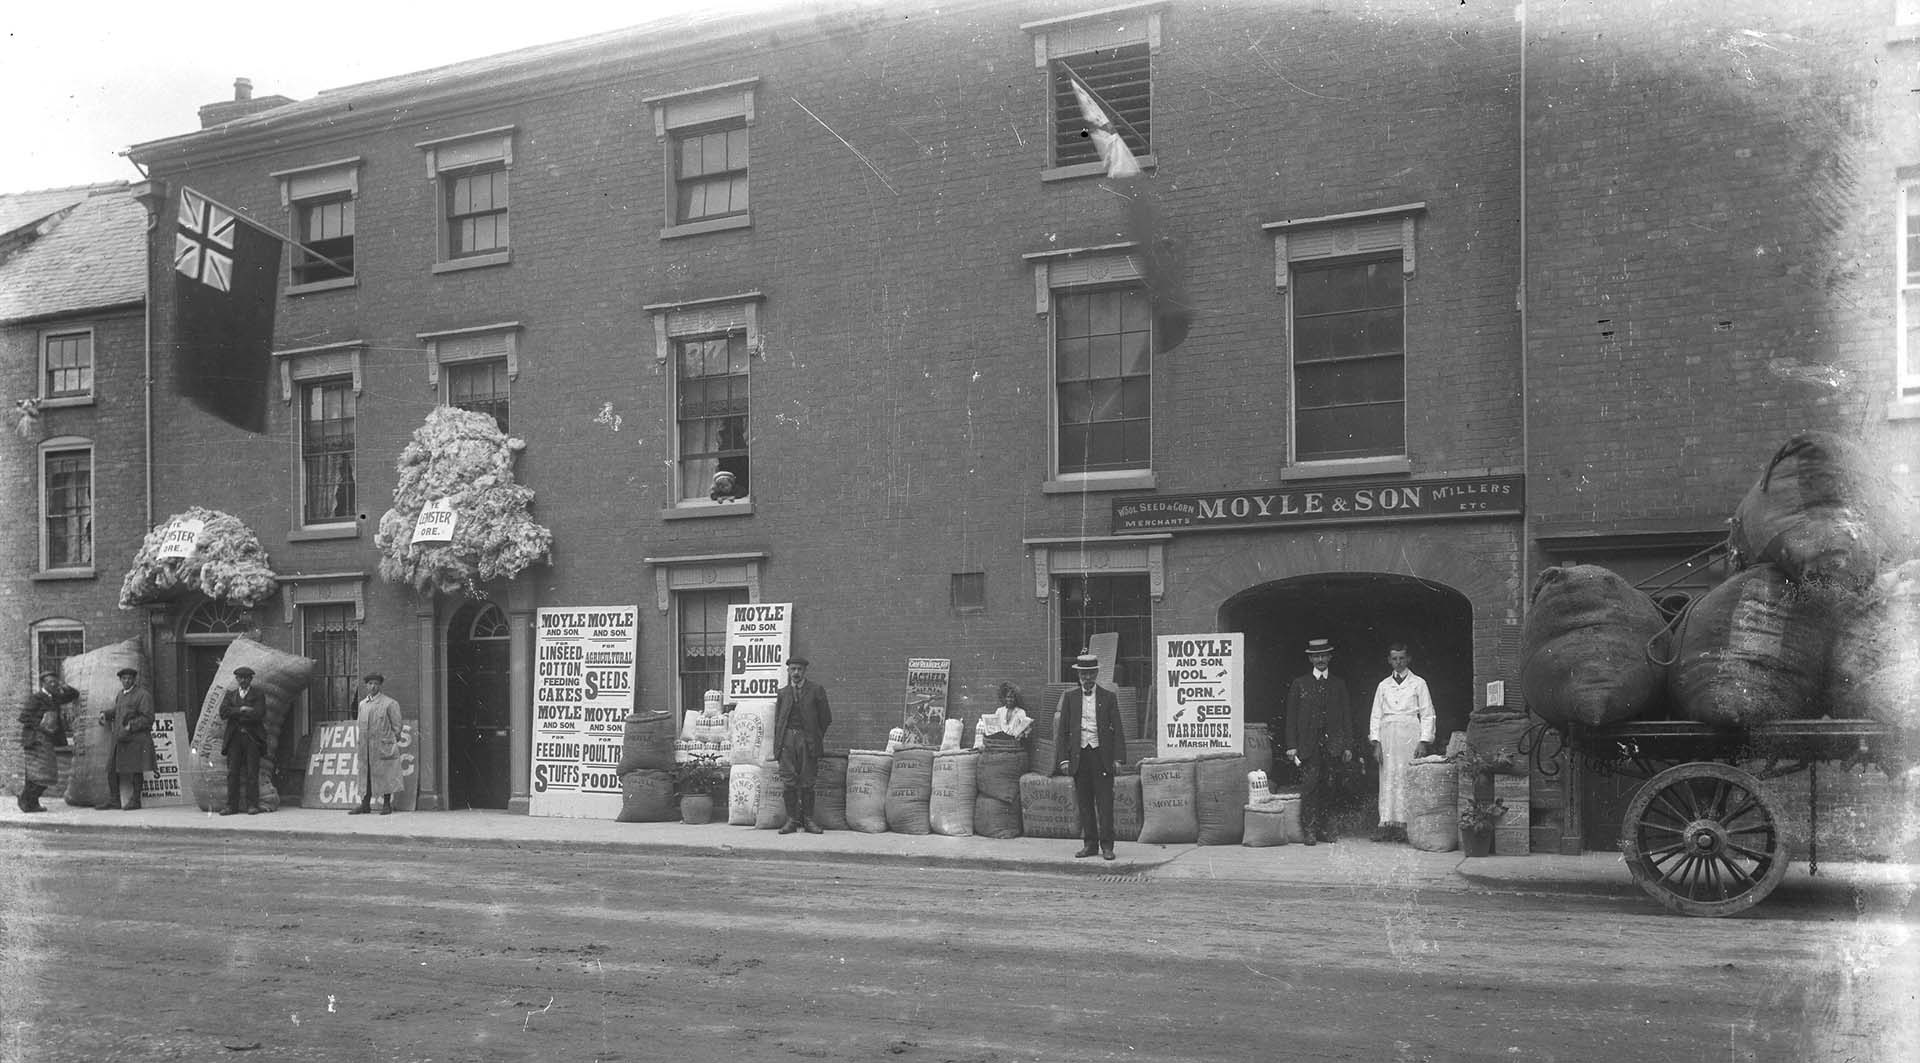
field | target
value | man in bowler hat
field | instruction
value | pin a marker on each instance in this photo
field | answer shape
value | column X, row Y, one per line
column 1092, row 745
column 800, row 719
column 245, row 709
column 1317, row 737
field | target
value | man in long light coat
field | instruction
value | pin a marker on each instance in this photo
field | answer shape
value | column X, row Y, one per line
column 380, row 732
column 131, row 755
column 1400, row 728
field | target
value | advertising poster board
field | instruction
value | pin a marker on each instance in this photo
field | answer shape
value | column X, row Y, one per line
column 181, row 538
column 1199, row 680
column 335, row 774
column 583, row 691
column 435, row 523
column 926, row 713
column 163, row 786
column 759, row 635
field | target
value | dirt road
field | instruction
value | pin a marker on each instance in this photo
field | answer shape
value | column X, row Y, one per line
column 185, row 948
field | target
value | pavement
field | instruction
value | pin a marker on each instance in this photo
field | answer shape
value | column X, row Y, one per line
column 1352, row 863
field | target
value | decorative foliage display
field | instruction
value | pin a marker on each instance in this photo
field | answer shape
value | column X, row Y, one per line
column 228, row 564
column 464, row 458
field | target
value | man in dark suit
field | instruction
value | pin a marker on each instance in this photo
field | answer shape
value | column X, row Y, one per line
column 245, row 709
column 1091, row 747
column 800, row 720
column 1318, row 736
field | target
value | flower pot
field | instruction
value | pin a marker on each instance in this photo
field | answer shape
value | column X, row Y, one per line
column 1476, row 842
column 696, row 809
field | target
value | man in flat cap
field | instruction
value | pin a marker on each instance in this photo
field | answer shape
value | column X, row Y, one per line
column 380, row 728
column 245, row 709
column 1318, row 736
column 800, row 720
column 130, row 754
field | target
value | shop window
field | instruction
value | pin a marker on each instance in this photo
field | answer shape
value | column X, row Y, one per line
column 1349, row 360
column 66, row 503
column 53, row 642
column 67, row 361
column 700, row 626
column 705, row 134
column 1089, row 605
column 327, row 452
column 330, row 634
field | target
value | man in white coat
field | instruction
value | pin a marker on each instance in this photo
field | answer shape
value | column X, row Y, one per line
column 1400, row 728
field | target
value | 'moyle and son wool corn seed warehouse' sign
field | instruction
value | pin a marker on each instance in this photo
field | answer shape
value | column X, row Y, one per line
column 583, row 689
column 1201, row 686
column 1470, row 496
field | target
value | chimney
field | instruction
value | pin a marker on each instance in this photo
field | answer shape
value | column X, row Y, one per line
column 243, row 103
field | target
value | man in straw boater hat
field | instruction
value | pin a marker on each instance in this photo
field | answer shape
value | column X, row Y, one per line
column 1317, row 737
column 1091, row 746
column 131, row 756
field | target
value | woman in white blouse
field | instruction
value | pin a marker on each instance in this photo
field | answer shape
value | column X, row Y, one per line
column 1009, row 719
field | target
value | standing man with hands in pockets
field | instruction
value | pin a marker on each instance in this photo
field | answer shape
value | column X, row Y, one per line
column 244, row 707
column 800, row 720
column 1318, row 736
column 1091, row 748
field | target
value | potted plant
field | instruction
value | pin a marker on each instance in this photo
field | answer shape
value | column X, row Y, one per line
column 1477, row 820
column 696, row 780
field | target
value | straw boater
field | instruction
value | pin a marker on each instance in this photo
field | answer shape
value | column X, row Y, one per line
column 1092, row 747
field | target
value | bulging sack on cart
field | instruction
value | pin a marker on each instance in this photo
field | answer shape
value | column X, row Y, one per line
column 1754, row 650
column 1874, row 672
column 1592, row 649
column 1818, row 511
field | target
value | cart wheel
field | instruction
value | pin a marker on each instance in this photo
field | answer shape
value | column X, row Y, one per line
column 1701, row 839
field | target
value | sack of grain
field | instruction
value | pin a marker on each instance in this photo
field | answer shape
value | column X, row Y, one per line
column 867, row 777
column 996, row 803
column 910, row 790
column 772, row 813
column 1818, row 511
column 646, row 796
column 750, row 732
column 1219, row 798
column 1585, row 654
column 1753, row 650
column 92, row 674
column 950, row 810
column 1166, row 798
column 648, row 742
column 1047, row 806
column 1433, row 806
column 830, row 792
column 1271, row 823
column 282, row 677
column 1127, row 800
column 743, row 795
column 1874, row 670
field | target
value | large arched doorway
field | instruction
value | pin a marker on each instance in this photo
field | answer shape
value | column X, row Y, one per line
column 1363, row 613
column 479, row 715
column 205, row 633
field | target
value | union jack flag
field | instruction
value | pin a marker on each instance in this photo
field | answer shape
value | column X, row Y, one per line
column 226, row 279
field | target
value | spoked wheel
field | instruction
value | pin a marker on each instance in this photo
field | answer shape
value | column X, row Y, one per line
column 1702, row 840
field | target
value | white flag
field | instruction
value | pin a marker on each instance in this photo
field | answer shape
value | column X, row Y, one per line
column 1106, row 140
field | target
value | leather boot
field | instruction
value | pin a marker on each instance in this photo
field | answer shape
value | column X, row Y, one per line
column 365, row 806
column 792, row 800
column 113, row 795
column 30, row 797
column 386, row 804
column 806, row 813
column 133, row 803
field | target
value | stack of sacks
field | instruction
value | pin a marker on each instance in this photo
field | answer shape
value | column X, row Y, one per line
column 950, row 809
column 93, row 674
column 868, row 772
column 646, row 796
column 996, row 804
column 1166, row 799
column 1592, row 648
column 830, row 792
column 648, row 743
column 743, row 795
column 772, row 811
column 1753, row 650
column 1048, row 806
column 1219, row 802
column 283, row 678
column 910, row 790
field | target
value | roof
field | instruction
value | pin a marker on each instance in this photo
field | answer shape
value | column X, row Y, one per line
column 18, row 210
column 94, row 256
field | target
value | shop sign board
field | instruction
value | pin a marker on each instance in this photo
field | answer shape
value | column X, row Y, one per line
column 180, row 539
column 1201, row 682
column 1323, row 503
column 336, row 774
column 583, row 691
column 161, row 786
column 926, row 716
column 759, row 634
column 435, row 523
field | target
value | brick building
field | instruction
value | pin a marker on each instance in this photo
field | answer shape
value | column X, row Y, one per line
column 73, row 460
column 1529, row 298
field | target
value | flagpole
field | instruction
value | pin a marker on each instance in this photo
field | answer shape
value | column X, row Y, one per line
column 275, row 233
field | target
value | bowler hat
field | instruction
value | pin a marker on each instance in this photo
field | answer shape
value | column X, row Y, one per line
column 1319, row 645
column 243, row 672
column 128, row 671
column 1086, row 662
